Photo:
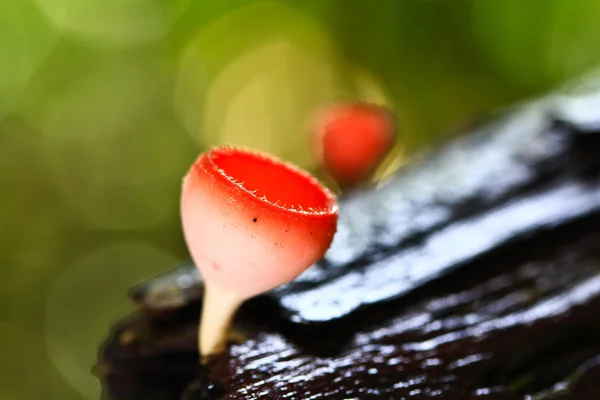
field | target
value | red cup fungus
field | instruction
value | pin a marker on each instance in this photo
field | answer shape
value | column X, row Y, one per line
column 352, row 139
column 251, row 223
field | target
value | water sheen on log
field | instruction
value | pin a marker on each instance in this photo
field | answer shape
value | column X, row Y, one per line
column 473, row 274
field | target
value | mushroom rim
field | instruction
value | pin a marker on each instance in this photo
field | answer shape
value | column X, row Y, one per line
column 206, row 163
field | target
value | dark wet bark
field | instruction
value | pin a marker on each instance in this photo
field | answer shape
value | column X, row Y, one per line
column 473, row 274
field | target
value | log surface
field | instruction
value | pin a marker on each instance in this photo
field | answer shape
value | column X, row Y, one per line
column 474, row 273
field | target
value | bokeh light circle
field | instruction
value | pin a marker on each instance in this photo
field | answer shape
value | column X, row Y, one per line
column 87, row 298
column 113, row 22
column 116, row 164
column 97, row 102
column 26, row 40
column 259, row 91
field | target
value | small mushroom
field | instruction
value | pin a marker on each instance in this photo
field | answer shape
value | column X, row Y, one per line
column 251, row 223
column 352, row 139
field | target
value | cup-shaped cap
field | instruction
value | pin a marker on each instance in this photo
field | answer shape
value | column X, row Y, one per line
column 351, row 140
column 252, row 222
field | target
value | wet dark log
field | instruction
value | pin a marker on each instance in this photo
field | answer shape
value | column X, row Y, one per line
column 475, row 274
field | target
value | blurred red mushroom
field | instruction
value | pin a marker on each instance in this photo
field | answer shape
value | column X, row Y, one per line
column 352, row 139
column 251, row 223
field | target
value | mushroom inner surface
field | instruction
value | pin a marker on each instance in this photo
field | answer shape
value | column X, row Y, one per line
column 279, row 183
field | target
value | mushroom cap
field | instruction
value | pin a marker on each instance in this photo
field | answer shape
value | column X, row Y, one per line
column 252, row 222
column 351, row 140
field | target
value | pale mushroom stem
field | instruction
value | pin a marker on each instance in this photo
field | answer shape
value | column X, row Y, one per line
column 218, row 308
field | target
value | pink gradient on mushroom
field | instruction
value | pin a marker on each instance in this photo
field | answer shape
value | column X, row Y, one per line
column 351, row 140
column 252, row 222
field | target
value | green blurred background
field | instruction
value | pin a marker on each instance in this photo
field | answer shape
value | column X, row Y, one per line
column 105, row 103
